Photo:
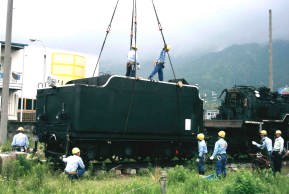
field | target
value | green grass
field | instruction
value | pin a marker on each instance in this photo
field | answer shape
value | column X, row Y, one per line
column 27, row 176
column 6, row 147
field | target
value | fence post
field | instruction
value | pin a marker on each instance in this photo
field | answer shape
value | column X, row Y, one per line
column 163, row 180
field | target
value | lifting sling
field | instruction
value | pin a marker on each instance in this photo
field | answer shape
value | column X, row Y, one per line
column 107, row 31
column 165, row 44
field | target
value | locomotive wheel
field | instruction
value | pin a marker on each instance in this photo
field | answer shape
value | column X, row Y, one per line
column 139, row 158
column 101, row 159
column 182, row 158
column 116, row 158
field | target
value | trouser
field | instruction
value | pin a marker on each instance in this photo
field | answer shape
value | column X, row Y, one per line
column 19, row 148
column 201, row 165
column 80, row 171
column 76, row 174
column 221, row 165
column 277, row 161
column 130, row 69
column 158, row 69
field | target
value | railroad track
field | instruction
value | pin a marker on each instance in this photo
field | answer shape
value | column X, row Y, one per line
column 135, row 165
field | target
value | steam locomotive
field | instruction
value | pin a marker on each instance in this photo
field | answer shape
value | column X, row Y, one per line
column 116, row 117
column 244, row 111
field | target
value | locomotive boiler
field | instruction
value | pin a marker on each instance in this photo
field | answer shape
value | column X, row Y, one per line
column 115, row 117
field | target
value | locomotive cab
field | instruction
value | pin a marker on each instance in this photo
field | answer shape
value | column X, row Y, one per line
column 237, row 103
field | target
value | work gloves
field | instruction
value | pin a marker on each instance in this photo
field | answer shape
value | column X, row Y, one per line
column 254, row 143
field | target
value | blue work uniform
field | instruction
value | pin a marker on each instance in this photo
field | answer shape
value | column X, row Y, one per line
column 266, row 143
column 20, row 140
column 202, row 147
column 159, row 66
column 221, row 154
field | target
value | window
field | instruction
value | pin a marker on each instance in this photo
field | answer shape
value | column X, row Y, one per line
column 28, row 104
column 34, row 104
column 19, row 103
column 1, row 62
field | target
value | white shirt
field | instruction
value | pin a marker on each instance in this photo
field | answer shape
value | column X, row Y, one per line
column 278, row 144
column 132, row 56
column 73, row 162
column 20, row 139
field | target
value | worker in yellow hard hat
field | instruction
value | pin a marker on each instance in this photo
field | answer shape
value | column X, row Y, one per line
column 220, row 152
column 266, row 143
column 278, row 149
column 74, row 164
column 160, row 64
column 202, row 148
column 20, row 141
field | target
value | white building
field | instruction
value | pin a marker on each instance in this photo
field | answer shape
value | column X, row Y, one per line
column 31, row 65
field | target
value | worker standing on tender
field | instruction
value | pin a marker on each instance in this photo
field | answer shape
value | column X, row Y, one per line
column 160, row 64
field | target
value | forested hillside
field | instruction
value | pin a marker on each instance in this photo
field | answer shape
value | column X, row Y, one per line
column 246, row 64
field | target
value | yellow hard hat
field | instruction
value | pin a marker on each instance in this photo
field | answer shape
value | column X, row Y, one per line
column 263, row 132
column 75, row 150
column 221, row 134
column 167, row 48
column 20, row 129
column 278, row 132
column 201, row 136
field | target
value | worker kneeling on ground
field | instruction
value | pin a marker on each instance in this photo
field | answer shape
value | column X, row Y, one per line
column 74, row 164
column 20, row 141
column 221, row 154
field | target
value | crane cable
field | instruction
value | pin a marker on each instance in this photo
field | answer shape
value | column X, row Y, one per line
column 161, row 30
column 133, row 32
column 131, row 28
column 107, row 31
column 178, row 93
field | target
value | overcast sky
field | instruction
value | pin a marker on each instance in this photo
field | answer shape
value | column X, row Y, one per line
column 188, row 25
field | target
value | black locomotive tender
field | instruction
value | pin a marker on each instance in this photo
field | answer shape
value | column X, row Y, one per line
column 115, row 117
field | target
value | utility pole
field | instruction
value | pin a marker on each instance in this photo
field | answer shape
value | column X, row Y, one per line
column 270, row 52
column 6, row 74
